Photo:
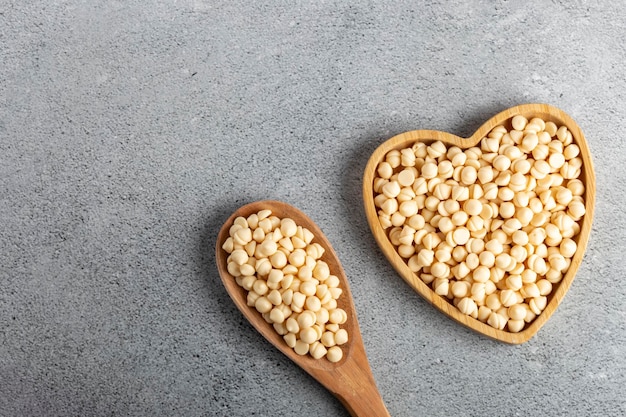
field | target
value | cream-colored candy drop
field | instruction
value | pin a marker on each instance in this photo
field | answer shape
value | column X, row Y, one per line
column 524, row 215
column 408, row 208
column 508, row 298
column 514, row 282
column 493, row 301
column 263, row 305
column 436, row 149
column 568, row 247
column 394, row 158
column 467, row 306
column 519, row 122
column 528, row 276
column 317, row 350
column 406, row 177
column 450, row 207
column 501, row 163
column 538, row 304
column 550, row 128
column 306, row 319
column 472, row 207
column 313, row 303
column 544, row 286
column 308, row 335
column 483, row 313
column 537, row 236
column 292, row 326
column 391, row 189
column 338, row 316
column 461, row 289
column 247, row 270
column 539, row 123
column 539, row 153
column 442, row 191
column 507, row 210
column 529, row 142
column 290, row 339
column 406, row 194
column 475, row 224
column 558, row 262
column 487, row 258
column 459, row 193
column 407, row 157
column 277, row 315
column 385, row 170
column 275, row 297
column 332, row 281
column 481, row 274
column 328, row 339
column 429, row 170
column 517, row 182
column 265, row 224
column 505, row 194
column 496, row 275
column 258, row 235
column 520, row 237
column 519, row 253
column 515, row 326
column 301, row 347
column 242, row 236
column 260, row 287
column 576, row 209
column 268, row 247
column 445, row 169
column 530, row 291
column 478, row 292
column 485, row 174
column 305, row 273
column 426, row 257
column 341, row 337
column 461, row 270
column 556, row 160
column 334, row 354
column 441, row 286
column 503, row 261
column 521, row 166
column 239, row 256
column 554, row 276
column 517, row 312
column 469, row 175
column 461, row 235
column 497, row 321
column 571, row 151
column 278, row 259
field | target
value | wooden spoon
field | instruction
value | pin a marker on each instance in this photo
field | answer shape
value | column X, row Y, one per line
column 350, row 379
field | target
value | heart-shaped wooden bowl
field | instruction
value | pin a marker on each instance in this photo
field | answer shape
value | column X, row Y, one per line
column 407, row 139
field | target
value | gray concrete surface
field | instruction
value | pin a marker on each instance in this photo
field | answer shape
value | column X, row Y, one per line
column 130, row 130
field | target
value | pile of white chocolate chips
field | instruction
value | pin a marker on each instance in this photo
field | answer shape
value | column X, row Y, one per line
column 280, row 266
column 492, row 228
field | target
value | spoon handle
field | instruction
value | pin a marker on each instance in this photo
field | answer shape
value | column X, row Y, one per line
column 354, row 385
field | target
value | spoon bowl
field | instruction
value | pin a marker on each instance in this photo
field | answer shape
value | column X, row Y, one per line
column 350, row 379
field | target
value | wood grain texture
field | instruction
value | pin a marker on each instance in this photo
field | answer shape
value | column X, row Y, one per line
column 350, row 379
column 543, row 111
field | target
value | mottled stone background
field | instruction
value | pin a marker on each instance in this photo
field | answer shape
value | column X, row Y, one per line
column 130, row 130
